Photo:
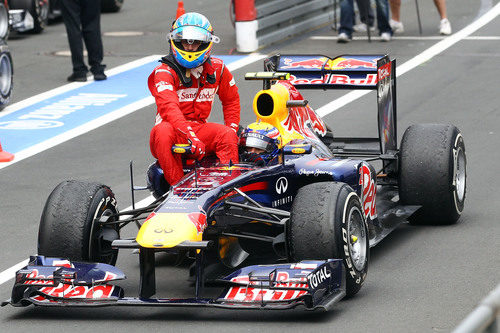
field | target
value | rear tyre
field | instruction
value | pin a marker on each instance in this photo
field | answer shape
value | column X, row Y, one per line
column 69, row 226
column 111, row 6
column 433, row 173
column 6, row 74
column 327, row 222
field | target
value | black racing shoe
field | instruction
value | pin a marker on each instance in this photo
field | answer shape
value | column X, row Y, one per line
column 77, row 77
column 100, row 76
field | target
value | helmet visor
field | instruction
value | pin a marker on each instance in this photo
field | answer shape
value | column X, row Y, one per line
column 256, row 140
column 192, row 33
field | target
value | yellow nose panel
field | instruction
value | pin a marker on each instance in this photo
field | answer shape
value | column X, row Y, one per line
column 166, row 230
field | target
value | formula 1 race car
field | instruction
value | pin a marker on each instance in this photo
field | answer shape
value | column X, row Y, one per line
column 294, row 232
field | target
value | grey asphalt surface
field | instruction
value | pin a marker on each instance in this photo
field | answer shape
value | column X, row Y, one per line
column 421, row 279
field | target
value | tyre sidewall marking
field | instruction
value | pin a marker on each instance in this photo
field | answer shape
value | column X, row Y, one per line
column 108, row 200
column 357, row 276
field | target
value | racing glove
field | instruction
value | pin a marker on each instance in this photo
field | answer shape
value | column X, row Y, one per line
column 197, row 146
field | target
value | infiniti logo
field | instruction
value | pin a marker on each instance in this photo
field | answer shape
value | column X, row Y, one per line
column 281, row 185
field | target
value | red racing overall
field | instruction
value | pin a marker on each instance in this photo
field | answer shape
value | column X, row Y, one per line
column 182, row 113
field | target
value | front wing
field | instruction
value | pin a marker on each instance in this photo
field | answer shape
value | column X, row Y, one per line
column 59, row 282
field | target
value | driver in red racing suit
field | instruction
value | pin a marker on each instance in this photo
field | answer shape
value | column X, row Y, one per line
column 184, row 87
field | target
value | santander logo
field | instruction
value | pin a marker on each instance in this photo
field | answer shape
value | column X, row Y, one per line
column 189, row 94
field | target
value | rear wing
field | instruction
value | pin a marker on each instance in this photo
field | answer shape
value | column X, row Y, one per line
column 372, row 72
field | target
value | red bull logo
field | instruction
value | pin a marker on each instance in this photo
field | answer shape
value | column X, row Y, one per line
column 299, row 117
column 312, row 63
column 351, row 63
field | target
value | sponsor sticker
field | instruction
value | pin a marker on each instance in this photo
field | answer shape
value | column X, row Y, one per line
column 317, row 278
column 281, row 185
column 368, row 192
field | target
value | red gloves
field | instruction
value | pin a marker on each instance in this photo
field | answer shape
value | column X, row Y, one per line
column 197, row 147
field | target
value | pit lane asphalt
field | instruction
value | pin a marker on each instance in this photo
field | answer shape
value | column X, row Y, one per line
column 420, row 278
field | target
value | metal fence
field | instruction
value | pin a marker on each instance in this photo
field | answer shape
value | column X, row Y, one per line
column 275, row 20
column 484, row 318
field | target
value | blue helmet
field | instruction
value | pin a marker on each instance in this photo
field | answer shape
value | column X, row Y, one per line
column 264, row 137
column 192, row 27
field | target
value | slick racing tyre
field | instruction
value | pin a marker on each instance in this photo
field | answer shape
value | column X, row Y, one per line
column 6, row 74
column 70, row 228
column 111, row 6
column 327, row 222
column 39, row 10
column 433, row 173
column 4, row 21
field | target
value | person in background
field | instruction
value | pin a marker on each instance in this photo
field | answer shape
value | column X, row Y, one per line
column 82, row 19
column 347, row 20
column 184, row 86
column 366, row 16
column 444, row 23
column 395, row 21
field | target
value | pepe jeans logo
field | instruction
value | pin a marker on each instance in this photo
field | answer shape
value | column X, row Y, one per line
column 281, row 185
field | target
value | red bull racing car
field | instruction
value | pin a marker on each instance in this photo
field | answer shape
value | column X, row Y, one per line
column 294, row 232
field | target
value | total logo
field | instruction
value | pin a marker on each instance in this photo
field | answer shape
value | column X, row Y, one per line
column 29, row 124
column 315, row 279
column 281, row 185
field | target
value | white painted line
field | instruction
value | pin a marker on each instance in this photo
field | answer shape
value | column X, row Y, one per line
column 87, row 127
column 70, row 86
column 28, row 152
column 417, row 60
column 251, row 58
column 10, row 273
column 408, row 38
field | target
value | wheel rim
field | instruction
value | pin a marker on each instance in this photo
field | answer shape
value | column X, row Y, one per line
column 357, row 238
column 6, row 77
column 4, row 22
column 460, row 174
column 99, row 248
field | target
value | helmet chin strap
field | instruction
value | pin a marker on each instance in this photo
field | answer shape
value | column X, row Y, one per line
column 184, row 75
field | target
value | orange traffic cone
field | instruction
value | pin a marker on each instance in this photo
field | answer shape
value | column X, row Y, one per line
column 5, row 156
column 180, row 9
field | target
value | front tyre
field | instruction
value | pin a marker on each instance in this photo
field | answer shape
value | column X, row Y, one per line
column 327, row 222
column 433, row 173
column 70, row 228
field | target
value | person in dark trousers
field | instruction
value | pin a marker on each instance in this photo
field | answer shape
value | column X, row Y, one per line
column 82, row 20
column 366, row 16
column 347, row 19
